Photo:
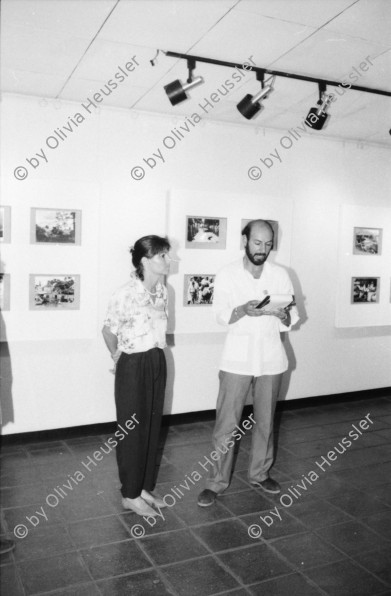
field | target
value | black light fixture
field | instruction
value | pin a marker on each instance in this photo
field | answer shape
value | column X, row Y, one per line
column 176, row 91
column 317, row 117
column 250, row 105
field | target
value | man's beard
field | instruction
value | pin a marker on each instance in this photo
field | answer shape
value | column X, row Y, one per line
column 257, row 259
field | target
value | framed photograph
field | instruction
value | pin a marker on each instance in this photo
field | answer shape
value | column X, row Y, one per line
column 365, row 290
column 206, row 232
column 54, row 292
column 5, row 291
column 198, row 289
column 272, row 222
column 55, row 226
column 367, row 241
column 5, row 224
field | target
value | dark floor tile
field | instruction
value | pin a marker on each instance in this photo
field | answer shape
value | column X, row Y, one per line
column 21, row 475
column 383, row 493
column 43, row 541
column 358, row 503
column 164, row 522
column 224, row 535
column 93, row 532
column 306, row 550
column 115, row 559
column 270, row 526
column 190, row 433
column 172, row 547
column 254, row 563
column 18, row 496
column 202, row 576
column 20, row 515
column 245, row 502
column 194, row 515
column 317, row 513
column 353, row 537
column 10, row 583
column 147, row 583
column 377, row 562
column 168, row 472
column 89, row 589
column 380, row 523
column 289, row 437
column 236, row 485
column 52, row 573
column 83, row 505
column 288, row 585
column 345, row 579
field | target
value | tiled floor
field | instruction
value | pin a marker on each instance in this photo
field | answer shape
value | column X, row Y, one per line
column 328, row 533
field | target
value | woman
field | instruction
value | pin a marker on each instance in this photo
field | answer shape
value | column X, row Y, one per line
column 135, row 333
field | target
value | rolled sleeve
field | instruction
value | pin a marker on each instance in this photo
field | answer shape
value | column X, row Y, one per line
column 287, row 288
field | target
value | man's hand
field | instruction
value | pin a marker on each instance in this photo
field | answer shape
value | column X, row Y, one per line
column 250, row 310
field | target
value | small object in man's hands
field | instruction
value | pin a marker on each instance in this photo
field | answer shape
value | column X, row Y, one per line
column 264, row 302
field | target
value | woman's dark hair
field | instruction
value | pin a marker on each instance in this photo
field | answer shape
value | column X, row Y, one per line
column 147, row 246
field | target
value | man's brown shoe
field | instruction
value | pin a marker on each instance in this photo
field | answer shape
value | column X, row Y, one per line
column 206, row 498
column 269, row 486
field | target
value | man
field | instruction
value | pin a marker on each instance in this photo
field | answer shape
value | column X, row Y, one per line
column 253, row 356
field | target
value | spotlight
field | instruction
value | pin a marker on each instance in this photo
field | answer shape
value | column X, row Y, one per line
column 176, row 91
column 249, row 106
column 317, row 117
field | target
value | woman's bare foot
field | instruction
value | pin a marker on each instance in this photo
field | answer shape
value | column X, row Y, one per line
column 139, row 506
column 151, row 500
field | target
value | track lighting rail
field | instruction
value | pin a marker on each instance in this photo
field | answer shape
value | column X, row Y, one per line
column 277, row 73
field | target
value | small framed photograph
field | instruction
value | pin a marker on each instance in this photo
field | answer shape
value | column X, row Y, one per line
column 5, row 301
column 198, row 289
column 55, row 226
column 54, row 292
column 272, row 222
column 206, row 232
column 365, row 290
column 367, row 241
column 5, row 224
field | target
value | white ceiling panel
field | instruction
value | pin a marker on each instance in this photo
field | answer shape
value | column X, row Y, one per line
column 166, row 24
column 76, row 18
column 367, row 19
column 266, row 39
column 297, row 11
column 329, row 55
column 37, row 50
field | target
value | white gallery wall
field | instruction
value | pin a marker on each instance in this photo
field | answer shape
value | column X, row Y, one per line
column 60, row 366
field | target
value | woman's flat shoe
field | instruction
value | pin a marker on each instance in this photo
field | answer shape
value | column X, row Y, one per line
column 139, row 506
column 151, row 500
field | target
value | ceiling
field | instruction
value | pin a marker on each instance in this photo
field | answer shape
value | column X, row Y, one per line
column 69, row 49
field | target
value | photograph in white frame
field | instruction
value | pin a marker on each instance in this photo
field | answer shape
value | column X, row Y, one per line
column 365, row 290
column 206, row 232
column 5, row 287
column 198, row 289
column 367, row 241
column 272, row 222
column 55, row 226
column 54, row 292
column 5, row 224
